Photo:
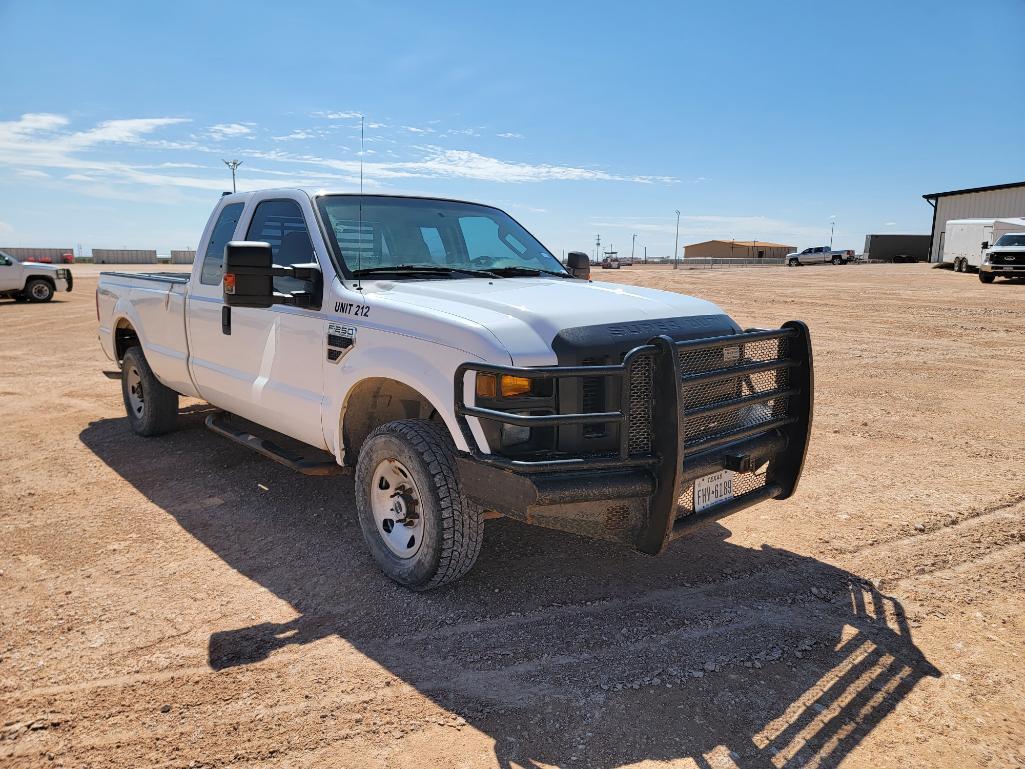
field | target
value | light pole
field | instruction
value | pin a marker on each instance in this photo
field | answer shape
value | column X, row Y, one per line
column 633, row 243
column 832, row 229
column 597, row 248
column 676, row 246
column 233, row 164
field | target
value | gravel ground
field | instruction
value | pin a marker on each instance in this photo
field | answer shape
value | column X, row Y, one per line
column 180, row 602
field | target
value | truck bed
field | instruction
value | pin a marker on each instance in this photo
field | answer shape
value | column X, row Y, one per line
column 169, row 277
column 152, row 306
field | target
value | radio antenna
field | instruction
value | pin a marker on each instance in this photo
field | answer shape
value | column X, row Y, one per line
column 359, row 226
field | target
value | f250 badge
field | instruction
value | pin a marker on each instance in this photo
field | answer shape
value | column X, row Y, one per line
column 340, row 340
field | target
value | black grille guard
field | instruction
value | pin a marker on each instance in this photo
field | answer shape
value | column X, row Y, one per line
column 672, row 460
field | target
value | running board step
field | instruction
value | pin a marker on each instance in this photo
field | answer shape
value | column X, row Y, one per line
column 220, row 425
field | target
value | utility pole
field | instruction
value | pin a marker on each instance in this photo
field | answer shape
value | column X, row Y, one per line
column 645, row 254
column 597, row 247
column 633, row 242
column 233, row 164
column 832, row 229
column 676, row 246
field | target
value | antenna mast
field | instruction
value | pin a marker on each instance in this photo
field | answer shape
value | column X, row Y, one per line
column 359, row 228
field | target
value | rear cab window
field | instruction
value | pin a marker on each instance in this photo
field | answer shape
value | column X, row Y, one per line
column 224, row 230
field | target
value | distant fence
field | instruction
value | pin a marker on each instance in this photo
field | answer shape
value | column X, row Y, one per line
column 182, row 257
column 124, row 256
column 48, row 254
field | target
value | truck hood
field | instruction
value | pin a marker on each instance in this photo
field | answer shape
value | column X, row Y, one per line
column 526, row 314
column 40, row 267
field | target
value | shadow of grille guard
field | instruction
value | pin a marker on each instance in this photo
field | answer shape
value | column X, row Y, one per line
column 740, row 402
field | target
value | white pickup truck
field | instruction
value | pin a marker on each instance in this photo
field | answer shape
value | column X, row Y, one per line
column 439, row 352
column 819, row 255
column 32, row 282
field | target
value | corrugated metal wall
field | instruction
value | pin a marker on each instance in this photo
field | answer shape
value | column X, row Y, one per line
column 124, row 256
column 182, row 257
column 53, row 254
column 975, row 205
column 717, row 249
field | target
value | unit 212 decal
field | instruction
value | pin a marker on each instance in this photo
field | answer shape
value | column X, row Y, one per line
column 356, row 310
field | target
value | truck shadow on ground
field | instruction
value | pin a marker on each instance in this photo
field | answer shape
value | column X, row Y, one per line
column 565, row 651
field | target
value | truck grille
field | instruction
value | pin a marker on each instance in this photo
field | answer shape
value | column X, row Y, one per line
column 707, row 413
column 700, row 427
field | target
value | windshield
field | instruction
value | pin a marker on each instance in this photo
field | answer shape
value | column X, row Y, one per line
column 1012, row 240
column 437, row 235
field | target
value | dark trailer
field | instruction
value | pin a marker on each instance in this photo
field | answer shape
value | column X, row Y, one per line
column 897, row 248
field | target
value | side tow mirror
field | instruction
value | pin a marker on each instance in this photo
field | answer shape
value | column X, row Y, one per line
column 579, row 264
column 249, row 273
column 985, row 245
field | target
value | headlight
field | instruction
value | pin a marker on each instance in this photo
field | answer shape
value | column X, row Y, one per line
column 511, row 386
column 62, row 274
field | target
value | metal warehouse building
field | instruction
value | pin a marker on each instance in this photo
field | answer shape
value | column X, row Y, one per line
column 736, row 249
column 998, row 201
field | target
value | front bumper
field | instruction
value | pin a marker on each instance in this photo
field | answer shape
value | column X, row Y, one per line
column 740, row 402
column 1007, row 270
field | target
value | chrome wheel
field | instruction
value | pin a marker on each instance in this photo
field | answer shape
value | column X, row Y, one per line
column 136, row 398
column 396, row 504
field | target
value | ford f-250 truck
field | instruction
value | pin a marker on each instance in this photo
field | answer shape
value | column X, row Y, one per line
column 445, row 357
column 32, row 282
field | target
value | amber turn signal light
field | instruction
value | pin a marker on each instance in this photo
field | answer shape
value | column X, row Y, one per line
column 487, row 386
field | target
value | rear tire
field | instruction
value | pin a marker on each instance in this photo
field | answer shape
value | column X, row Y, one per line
column 421, row 531
column 987, row 277
column 837, row 260
column 152, row 407
column 39, row 290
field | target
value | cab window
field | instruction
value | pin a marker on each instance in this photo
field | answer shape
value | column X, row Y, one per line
column 224, row 230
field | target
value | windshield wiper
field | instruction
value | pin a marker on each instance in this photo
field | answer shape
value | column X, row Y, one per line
column 423, row 269
column 529, row 271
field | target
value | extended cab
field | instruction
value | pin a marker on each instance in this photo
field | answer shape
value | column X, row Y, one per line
column 31, row 282
column 439, row 352
column 819, row 255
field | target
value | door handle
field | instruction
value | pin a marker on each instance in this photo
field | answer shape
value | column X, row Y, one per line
column 226, row 320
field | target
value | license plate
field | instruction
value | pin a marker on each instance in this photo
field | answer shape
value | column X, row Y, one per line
column 712, row 489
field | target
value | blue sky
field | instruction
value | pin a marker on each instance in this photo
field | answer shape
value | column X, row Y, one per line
column 756, row 120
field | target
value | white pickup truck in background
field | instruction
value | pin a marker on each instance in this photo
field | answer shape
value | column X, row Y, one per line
column 819, row 255
column 439, row 352
column 30, row 281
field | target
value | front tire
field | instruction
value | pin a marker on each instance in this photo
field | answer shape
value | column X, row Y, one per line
column 420, row 530
column 38, row 290
column 986, row 277
column 152, row 407
column 793, row 263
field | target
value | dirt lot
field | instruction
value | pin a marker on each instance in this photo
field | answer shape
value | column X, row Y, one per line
column 180, row 602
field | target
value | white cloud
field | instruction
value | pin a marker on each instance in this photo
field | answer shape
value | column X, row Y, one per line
column 295, row 135
column 6, row 228
column 510, row 135
column 229, row 130
column 889, row 224
column 695, row 227
column 414, row 130
column 336, row 115
column 31, row 173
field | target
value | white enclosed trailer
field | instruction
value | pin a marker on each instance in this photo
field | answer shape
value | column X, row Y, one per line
column 965, row 240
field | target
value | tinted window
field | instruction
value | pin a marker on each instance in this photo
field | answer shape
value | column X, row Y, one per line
column 281, row 223
column 224, row 230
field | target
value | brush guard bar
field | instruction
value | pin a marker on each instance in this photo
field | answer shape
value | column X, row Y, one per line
column 741, row 402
